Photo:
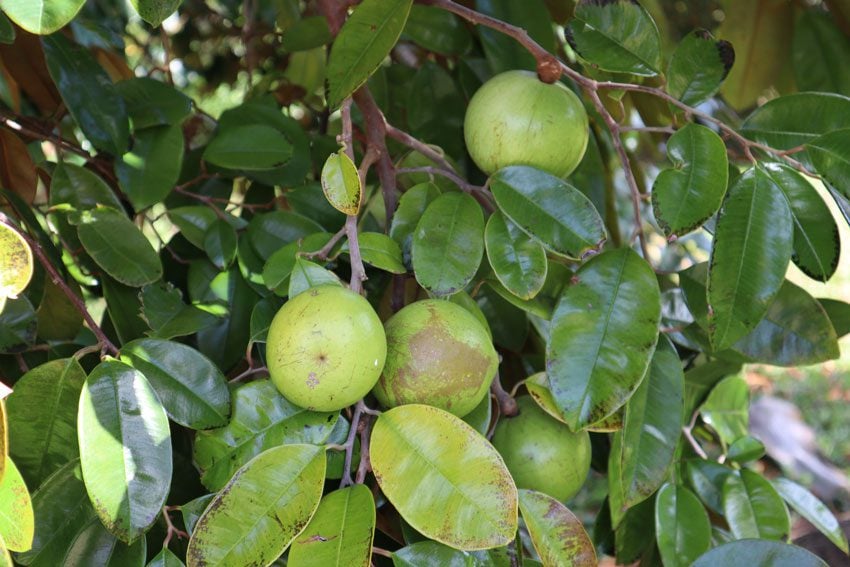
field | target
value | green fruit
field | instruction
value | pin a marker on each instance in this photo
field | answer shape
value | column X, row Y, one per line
column 542, row 453
column 517, row 119
column 326, row 348
column 438, row 354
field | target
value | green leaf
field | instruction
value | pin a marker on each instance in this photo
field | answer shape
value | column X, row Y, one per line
column 432, row 553
column 279, row 266
column 192, row 389
column 88, row 93
column 753, row 508
column 16, row 263
column 689, row 193
column 727, row 409
column 819, row 50
column 380, row 251
column 220, row 241
column 549, row 209
column 411, row 207
column 80, row 188
column 479, row 418
column 165, row 558
column 817, row 246
column 94, row 545
column 759, row 553
column 195, row 221
column 796, row 119
column 341, row 183
column 340, row 532
column 306, row 274
column 252, row 147
column 119, row 247
column 7, row 36
column 502, row 52
column 149, row 171
column 261, row 419
column 266, row 504
column 125, row 449
column 42, row 412
column 745, row 449
column 270, row 231
column 364, row 41
column 752, row 247
column 444, row 478
column 41, row 16
column 17, row 325
column 830, row 155
column 707, row 479
column 155, row 11
column 652, row 425
column 308, row 33
column 839, row 314
column 557, row 535
column 448, row 244
column 813, row 510
column 603, row 334
column 168, row 316
column 682, row 526
column 635, row 533
column 618, row 36
column 518, row 261
column 153, row 103
column 16, row 513
column 698, row 67
column 437, row 30
column 124, row 307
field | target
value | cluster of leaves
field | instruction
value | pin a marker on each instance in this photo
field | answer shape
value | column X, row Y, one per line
column 139, row 227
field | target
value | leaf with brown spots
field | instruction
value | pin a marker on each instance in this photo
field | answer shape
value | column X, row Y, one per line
column 557, row 535
column 16, row 516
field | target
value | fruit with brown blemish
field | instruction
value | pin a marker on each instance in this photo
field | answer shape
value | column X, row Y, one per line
column 517, row 119
column 326, row 348
column 541, row 452
column 438, row 354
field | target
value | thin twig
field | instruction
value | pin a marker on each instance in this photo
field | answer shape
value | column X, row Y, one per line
column 687, row 431
column 358, row 271
column 172, row 530
column 349, row 445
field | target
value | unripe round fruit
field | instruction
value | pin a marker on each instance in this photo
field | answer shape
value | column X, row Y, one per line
column 326, row 348
column 542, row 453
column 437, row 354
column 517, row 119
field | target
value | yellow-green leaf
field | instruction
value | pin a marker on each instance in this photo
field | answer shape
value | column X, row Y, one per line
column 341, row 183
column 15, row 262
column 17, row 524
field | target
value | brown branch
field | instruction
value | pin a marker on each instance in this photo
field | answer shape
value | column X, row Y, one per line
column 349, row 444
column 507, row 405
column 358, row 271
column 171, row 529
column 376, row 139
column 480, row 193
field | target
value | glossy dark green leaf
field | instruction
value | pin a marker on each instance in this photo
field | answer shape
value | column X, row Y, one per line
column 437, row 30
column 18, row 324
column 682, row 526
column 817, row 246
column 341, row 183
column 435, row 110
column 119, row 247
column 362, row 44
column 689, row 193
column 707, row 479
column 759, row 553
column 652, row 425
column 270, row 231
column 433, row 553
column 193, row 510
column 278, row 269
column 220, row 242
column 444, row 478
column 41, row 16
column 411, row 207
column 261, row 419
column 727, row 409
column 380, row 251
column 796, row 119
column 479, row 418
column 307, row 274
column 813, row 510
column 195, row 221
column 7, row 35
column 252, row 147
column 266, row 504
column 88, row 93
column 125, row 448
column 94, row 545
column 753, row 508
column 819, row 50
column 155, row 11
column 830, row 155
column 635, row 533
column 603, row 334
column 42, row 413
column 124, row 309
column 16, row 511
column 308, row 33
column 340, row 532
column 752, row 247
column 839, row 314
column 518, row 261
column 150, row 170
column 166, row 314
column 309, row 200
column 502, row 52
column 549, row 209
column 698, row 67
column 153, row 103
column 557, row 535
column 745, row 450
column 618, row 36
column 192, row 389
column 448, row 244
column 80, row 189
column 165, row 558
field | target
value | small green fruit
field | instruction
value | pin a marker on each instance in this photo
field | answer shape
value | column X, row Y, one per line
column 517, row 119
column 326, row 348
column 437, row 354
column 542, row 453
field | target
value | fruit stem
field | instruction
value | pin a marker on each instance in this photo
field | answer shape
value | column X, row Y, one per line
column 507, row 405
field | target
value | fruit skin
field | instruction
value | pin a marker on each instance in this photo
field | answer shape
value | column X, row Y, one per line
column 517, row 119
column 438, row 354
column 542, row 453
column 326, row 348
